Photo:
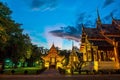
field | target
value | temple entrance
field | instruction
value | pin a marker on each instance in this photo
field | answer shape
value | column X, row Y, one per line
column 52, row 62
column 53, row 59
column 52, row 66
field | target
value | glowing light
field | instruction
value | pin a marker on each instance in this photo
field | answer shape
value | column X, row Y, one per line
column 8, row 63
column 74, row 58
column 37, row 62
column 96, row 65
column 68, row 71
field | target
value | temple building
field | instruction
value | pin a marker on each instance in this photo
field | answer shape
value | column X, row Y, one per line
column 101, row 45
column 53, row 59
column 73, row 61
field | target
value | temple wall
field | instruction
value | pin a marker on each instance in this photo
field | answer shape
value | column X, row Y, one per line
column 47, row 64
column 102, row 65
column 107, row 65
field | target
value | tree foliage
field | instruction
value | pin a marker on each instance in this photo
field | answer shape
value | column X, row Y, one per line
column 13, row 43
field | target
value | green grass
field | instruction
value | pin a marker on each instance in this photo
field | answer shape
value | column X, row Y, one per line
column 31, row 70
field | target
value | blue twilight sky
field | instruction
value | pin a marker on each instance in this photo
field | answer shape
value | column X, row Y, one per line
column 59, row 21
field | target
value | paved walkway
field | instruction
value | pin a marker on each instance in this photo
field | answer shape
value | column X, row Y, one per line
column 51, row 72
column 62, row 77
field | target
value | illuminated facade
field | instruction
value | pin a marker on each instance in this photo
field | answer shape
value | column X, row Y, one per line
column 53, row 59
column 101, row 45
column 73, row 61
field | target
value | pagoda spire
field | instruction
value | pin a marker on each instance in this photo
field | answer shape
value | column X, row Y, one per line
column 53, row 46
column 83, row 26
column 72, row 45
column 98, row 18
column 112, row 16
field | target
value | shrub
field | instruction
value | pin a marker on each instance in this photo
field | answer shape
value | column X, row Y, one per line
column 25, row 72
column 61, row 71
column 1, row 72
column 13, row 71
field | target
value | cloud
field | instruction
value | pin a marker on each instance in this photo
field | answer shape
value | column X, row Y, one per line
column 73, row 33
column 107, row 17
column 69, row 32
column 80, row 18
column 43, row 4
column 51, row 38
column 107, row 2
column 87, row 19
column 116, row 13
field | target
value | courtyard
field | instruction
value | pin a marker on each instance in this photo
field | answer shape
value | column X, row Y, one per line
column 52, row 74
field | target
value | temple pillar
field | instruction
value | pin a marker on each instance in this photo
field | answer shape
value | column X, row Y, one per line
column 107, row 57
column 116, row 54
column 92, row 54
column 102, row 56
column 97, row 55
column 86, row 52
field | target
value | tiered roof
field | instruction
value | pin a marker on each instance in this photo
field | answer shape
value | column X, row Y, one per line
column 110, row 29
column 53, row 53
column 93, row 33
column 117, row 21
column 103, row 33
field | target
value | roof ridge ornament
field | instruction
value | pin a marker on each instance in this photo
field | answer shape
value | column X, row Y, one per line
column 72, row 44
column 98, row 17
column 112, row 16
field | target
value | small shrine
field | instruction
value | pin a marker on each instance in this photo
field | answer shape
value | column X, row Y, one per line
column 53, row 59
column 73, row 61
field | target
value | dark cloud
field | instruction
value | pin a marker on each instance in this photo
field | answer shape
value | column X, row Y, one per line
column 116, row 13
column 73, row 33
column 81, row 18
column 109, row 16
column 86, row 19
column 58, row 33
column 43, row 4
column 88, row 23
column 69, row 32
column 107, row 2
column 37, row 3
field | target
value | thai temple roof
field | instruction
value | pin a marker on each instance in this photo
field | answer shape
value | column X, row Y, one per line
column 115, row 38
column 110, row 29
column 93, row 33
column 117, row 21
column 100, row 43
column 53, row 52
column 103, row 34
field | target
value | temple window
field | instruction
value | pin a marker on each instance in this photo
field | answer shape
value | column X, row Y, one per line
column 74, row 58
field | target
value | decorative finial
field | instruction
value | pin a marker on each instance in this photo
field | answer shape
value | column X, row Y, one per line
column 98, row 19
column 112, row 16
column 72, row 44
column 82, row 26
column 53, row 44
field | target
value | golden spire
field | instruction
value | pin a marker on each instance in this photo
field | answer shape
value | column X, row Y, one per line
column 72, row 45
column 53, row 45
column 98, row 17
column 83, row 26
column 112, row 16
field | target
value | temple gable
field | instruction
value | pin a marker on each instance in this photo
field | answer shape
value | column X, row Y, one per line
column 53, row 59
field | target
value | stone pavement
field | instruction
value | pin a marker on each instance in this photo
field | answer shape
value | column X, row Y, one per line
column 62, row 77
column 51, row 72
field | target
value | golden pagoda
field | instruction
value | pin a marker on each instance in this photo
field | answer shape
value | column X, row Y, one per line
column 53, row 59
column 73, row 60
